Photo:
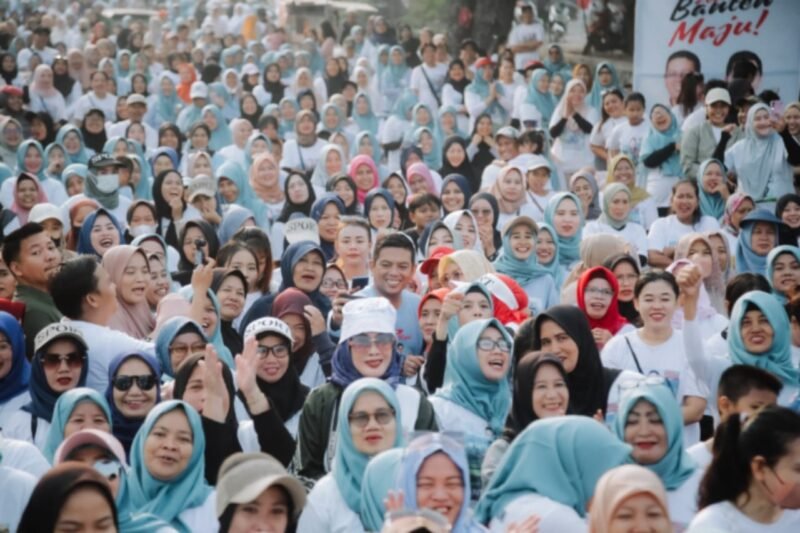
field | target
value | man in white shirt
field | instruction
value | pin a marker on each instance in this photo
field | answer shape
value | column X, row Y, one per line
column 86, row 296
column 526, row 38
column 41, row 37
column 507, row 146
column 97, row 98
column 137, row 108
column 427, row 79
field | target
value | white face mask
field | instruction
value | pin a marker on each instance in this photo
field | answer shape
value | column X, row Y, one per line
column 142, row 229
column 107, row 183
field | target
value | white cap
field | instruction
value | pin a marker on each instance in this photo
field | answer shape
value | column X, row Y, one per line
column 199, row 90
column 202, row 186
column 268, row 324
column 301, row 229
column 58, row 330
column 136, row 99
column 368, row 315
column 538, row 161
column 249, row 69
column 41, row 212
column 718, row 94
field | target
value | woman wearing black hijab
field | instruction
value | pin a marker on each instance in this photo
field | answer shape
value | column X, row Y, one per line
column 93, row 130
column 210, row 73
column 626, row 309
column 405, row 156
column 484, row 154
column 589, row 383
column 62, row 81
column 335, row 79
column 186, row 265
column 274, row 87
column 294, row 178
column 483, row 223
column 59, row 487
column 230, row 335
column 9, row 73
column 450, row 165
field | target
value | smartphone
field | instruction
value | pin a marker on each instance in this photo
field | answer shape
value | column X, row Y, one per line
column 199, row 255
column 360, row 282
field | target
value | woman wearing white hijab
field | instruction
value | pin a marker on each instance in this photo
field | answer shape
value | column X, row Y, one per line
column 44, row 97
column 571, row 126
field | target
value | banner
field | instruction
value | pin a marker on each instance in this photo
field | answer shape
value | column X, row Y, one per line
column 675, row 37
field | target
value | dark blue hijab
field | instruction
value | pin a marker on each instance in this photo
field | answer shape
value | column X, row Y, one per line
column 44, row 398
column 85, row 234
column 345, row 372
column 125, row 428
column 375, row 193
column 463, row 184
column 16, row 381
column 316, row 213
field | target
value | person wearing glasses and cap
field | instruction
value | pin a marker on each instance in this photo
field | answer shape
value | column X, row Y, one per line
column 59, row 365
column 367, row 348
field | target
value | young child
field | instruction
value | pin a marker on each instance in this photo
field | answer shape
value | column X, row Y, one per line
column 539, row 187
column 627, row 137
column 423, row 208
column 743, row 390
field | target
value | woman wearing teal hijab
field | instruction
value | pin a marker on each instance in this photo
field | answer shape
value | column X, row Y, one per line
column 177, row 492
column 30, row 158
column 394, row 79
column 569, row 454
column 518, row 260
column 475, row 397
column 538, row 95
column 232, row 183
column 430, row 146
column 164, row 105
column 477, row 93
column 220, row 132
column 76, row 409
column 380, row 477
column 364, row 114
column 286, row 125
column 332, row 120
column 659, row 160
column 546, row 239
column 567, row 221
column 356, row 149
column 783, row 271
column 367, row 424
column 713, row 188
column 418, row 113
column 215, row 337
column 437, row 457
column 70, row 137
column 651, row 414
column 603, row 71
column 230, row 109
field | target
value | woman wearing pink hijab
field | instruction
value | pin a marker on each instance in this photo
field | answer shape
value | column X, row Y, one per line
column 420, row 179
column 27, row 193
column 629, row 494
column 129, row 270
column 44, row 97
column 364, row 173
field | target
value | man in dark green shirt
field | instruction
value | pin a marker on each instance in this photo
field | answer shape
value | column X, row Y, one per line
column 33, row 258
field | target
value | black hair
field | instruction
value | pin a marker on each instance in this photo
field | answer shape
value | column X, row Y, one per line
column 652, row 276
column 740, row 57
column 616, row 92
column 687, row 98
column 685, row 54
column 394, row 240
column 12, row 244
column 697, row 213
column 743, row 283
column 537, row 137
column 743, row 70
column 226, row 518
column 523, row 340
column 768, row 435
column 426, row 46
column 76, row 279
column 635, row 97
column 768, row 96
column 715, row 84
column 738, row 380
column 96, row 72
column 258, row 241
column 231, row 248
column 416, row 201
column 168, row 126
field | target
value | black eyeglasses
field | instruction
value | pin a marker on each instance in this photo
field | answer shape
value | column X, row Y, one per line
column 145, row 382
column 280, row 351
column 488, row 345
column 381, row 416
column 54, row 360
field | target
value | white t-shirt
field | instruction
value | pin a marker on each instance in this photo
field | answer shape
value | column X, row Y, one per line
column 627, row 139
column 667, row 360
column 203, row 517
column 422, row 88
column 682, row 501
column 600, row 135
column 554, row 517
column 326, row 511
column 17, row 489
column 701, row 455
column 724, row 516
column 108, row 104
column 666, row 232
column 522, row 33
column 24, row 456
column 11, row 406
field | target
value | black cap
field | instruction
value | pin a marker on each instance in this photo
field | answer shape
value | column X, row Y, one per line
column 43, row 30
column 103, row 160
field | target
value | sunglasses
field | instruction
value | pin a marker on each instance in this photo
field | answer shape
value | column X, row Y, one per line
column 381, row 416
column 364, row 341
column 54, row 360
column 145, row 382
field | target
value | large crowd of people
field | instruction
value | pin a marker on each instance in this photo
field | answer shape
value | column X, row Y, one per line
column 357, row 279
